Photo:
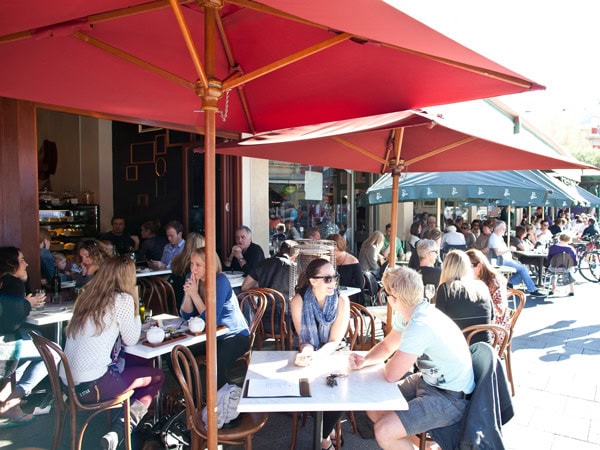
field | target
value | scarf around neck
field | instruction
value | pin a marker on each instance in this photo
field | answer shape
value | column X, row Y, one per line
column 316, row 323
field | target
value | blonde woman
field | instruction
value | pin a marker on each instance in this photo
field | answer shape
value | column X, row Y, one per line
column 106, row 314
column 236, row 341
column 369, row 257
column 460, row 296
column 495, row 281
column 180, row 266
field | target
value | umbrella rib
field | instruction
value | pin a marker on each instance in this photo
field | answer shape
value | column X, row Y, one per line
column 234, row 66
column 294, row 57
column 360, row 150
column 443, row 149
column 134, row 59
column 189, row 42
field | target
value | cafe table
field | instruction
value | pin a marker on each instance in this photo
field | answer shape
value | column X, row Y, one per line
column 141, row 273
column 154, row 352
column 534, row 258
column 52, row 313
column 360, row 390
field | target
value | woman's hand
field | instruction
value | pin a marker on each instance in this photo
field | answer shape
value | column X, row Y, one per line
column 304, row 357
column 356, row 361
column 36, row 301
column 191, row 287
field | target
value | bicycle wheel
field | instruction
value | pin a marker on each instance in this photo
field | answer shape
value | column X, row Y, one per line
column 589, row 266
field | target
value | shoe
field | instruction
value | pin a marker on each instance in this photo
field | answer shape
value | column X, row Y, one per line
column 23, row 419
column 509, row 285
column 550, row 293
column 110, row 441
column 571, row 294
column 537, row 293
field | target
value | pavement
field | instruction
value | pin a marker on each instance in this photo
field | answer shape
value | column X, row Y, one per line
column 556, row 362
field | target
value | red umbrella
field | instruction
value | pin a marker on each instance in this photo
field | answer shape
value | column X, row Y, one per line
column 263, row 65
column 410, row 140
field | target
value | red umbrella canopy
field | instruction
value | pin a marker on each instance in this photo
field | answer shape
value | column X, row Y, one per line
column 284, row 63
column 429, row 144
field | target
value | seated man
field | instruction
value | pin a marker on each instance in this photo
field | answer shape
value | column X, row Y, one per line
column 500, row 250
column 543, row 235
column 245, row 255
column 591, row 230
column 482, row 241
column 385, row 251
column 120, row 239
column 174, row 232
column 424, row 335
column 428, row 251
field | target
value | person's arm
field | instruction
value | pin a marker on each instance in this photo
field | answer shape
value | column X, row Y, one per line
column 127, row 316
column 398, row 365
column 377, row 354
column 340, row 324
column 249, row 283
column 296, row 311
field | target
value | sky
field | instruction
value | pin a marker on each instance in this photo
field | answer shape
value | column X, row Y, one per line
column 553, row 42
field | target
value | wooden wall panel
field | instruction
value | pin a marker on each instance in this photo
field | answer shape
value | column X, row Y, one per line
column 18, row 182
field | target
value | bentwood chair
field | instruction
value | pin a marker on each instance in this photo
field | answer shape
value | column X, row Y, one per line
column 71, row 404
column 188, row 375
column 519, row 300
column 499, row 335
column 275, row 320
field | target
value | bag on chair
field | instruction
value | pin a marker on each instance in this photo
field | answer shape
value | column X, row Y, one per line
column 228, row 398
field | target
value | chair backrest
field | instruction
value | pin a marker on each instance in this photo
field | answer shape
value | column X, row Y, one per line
column 275, row 319
column 253, row 304
column 499, row 335
column 370, row 286
column 187, row 374
column 365, row 338
column 515, row 312
column 561, row 261
column 47, row 349
column 381, row 297
column 167, row 293
column 354, row 327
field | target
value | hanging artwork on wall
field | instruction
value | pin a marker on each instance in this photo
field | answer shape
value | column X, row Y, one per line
column 142, row 153
column 131, row 173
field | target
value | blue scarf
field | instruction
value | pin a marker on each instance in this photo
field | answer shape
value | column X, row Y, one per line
column 316, row 323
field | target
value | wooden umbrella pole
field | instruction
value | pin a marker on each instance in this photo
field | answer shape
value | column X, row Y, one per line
column 210, row 97
column 396, row 165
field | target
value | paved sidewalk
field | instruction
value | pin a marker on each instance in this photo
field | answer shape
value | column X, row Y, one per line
column 556, row 365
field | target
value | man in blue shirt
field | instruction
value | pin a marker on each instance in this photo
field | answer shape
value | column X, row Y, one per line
column 174, row 232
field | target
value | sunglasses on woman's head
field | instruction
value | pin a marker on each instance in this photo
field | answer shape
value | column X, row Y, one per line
column 329, row 278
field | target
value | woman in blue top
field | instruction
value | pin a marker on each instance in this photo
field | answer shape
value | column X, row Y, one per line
column 236, row 341
column 320, row 315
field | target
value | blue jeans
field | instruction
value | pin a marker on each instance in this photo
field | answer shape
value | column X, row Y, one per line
column 522, row 273
column 35, row 371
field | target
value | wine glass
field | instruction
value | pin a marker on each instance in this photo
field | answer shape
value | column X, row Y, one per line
column 429, row 291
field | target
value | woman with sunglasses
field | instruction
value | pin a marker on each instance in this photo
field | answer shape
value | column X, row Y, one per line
column 106, row 314
column 320, row 315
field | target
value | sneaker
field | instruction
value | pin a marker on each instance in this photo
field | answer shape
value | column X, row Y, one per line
column 110, row 441
column 537, row 293
column 550, row 293
column 571, row 294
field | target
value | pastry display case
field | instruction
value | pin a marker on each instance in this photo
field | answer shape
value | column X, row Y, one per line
column 69, row 223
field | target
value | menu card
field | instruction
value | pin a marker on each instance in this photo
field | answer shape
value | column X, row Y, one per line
column 277, row 388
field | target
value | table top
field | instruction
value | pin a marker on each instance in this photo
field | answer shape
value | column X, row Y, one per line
column 360, row 390
column 141, row 273
column 147, row 352
column 531, row 254
column 505, row 269
column 348, row 291
column 51, row 313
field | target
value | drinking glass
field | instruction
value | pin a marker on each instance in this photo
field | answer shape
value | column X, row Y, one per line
column 429, row 291
column 39, row 293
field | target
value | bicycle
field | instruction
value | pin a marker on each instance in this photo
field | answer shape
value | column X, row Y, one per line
column 589, row 265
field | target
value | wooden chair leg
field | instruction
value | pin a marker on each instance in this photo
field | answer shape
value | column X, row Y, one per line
column 294, row 430
column 509, row 375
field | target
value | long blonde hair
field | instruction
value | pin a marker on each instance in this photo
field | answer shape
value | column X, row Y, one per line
column 456, row 266
column 181, row 262
column 376, row 238
column 116, row 275
column 201, row 253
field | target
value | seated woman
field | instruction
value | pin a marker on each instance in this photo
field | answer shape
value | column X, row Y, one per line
column 461, row 297
column 496, row 283
column 348, row 267
column 370, row 257
column 16, row 347
column 320, row 315
column 106, row 314
column 180, row 266
column 234, row 343
column 92, row 254
column 152, row 245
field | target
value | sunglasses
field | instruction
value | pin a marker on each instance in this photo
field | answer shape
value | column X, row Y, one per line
column 329, row 278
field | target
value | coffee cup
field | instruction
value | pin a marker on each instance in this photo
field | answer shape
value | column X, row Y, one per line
column 196, row 324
